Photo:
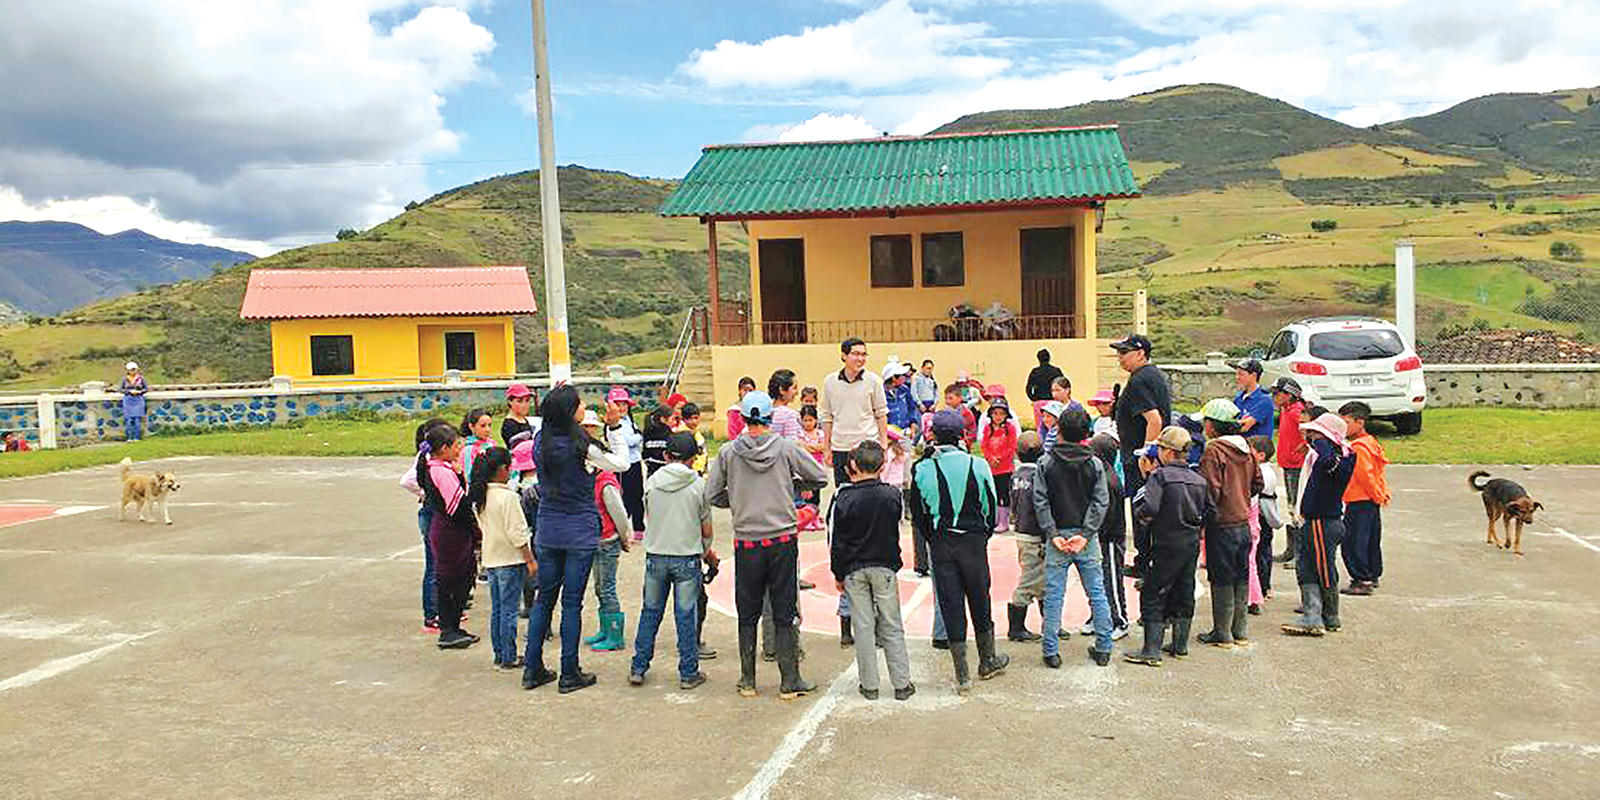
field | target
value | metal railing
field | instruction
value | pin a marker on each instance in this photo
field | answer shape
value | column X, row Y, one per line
column 688, row 333
column 928, row 329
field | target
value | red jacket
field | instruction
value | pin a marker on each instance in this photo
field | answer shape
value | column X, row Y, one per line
column 1291, row 444
column 1000, row 447
column 602, row 479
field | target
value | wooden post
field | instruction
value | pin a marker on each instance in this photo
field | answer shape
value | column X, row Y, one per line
column 1141, row 314
column 712, row 285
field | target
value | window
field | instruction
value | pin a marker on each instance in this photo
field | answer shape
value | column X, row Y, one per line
column 944, row 262
column 461, row 350
column 333, row 355
column 1356, row 345
column 1283, row 346
column 891, row 261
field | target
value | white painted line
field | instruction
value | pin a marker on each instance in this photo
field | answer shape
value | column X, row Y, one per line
column 795, row 741
column 243, row 558
column 52, row 668
column 1578, row 539
column 67, row 511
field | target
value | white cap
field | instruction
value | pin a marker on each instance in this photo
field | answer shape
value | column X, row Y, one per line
column 590, row 419
column 131, row 366
column 895, row 368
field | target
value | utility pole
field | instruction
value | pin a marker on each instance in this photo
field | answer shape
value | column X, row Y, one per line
column 1405, row 291
column 555, row 268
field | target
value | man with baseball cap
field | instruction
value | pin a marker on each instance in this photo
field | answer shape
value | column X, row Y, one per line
column 1142, row 409
column 1254, row 402
column 903, row 410
column 753, row 476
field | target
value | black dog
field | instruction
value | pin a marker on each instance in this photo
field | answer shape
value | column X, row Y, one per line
column 1504, row 500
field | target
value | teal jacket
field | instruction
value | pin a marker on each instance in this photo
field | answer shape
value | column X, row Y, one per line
column 952, row 493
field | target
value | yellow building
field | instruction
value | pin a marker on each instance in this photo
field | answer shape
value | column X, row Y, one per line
column 884, row 238
column 353, row 326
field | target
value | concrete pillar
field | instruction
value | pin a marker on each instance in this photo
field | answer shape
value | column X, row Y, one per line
column 1405, row 291
column 1216, row 359
column 47, row 422
column 280, row 383
column 452, row 377
column 615, row 372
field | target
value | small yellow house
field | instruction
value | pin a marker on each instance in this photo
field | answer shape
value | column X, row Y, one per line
column 882, row 238
column 353, row 326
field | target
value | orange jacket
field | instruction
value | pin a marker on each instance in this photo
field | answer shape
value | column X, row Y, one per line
column 1368, row 482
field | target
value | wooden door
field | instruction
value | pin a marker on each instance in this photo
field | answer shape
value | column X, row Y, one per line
column 1049, row 283
column 783, row 291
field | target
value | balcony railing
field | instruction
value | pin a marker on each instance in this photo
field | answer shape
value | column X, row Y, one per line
column 741, row 331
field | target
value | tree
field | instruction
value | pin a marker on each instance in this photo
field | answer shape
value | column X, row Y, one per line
column 1566, row 251
column 413, row 205
column 1591, row 99
column 1324, row 224
column 346, row 234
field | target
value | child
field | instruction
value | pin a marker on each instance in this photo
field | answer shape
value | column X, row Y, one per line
column 1232, row 482
column 1364, row 500
column 1263, row 519
column 1030, row 541
column 506, row 553
column 811, row 435
column 1049, row 423
column 1103, row 422
column 657, row 427
column 614, row 541
column 925, row 387
column 677, row 537
column 999, row 447
column 1173, row 501
column 475, row 437
column 865, row 556
column 15, row 442
column 1329, row 464
column 955, row 402
column 735, row 419
column 619, row 404
column 521, row 414
column 1113, row 538
column 953, row 504
column 895, row 462
column 691, row 423
column 1061, row 392
column 808, row 396
column 1291, row 451
column 430, row 603
column 450, row 532
column 1070, row 500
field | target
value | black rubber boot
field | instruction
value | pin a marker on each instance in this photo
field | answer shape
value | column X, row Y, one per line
column 1017, row 616
column 991, row 662
column 958, row 657
column 1241, row 606
column 1179, row 646
column 793, row 685
column 847, row 636
column 1330, row 610
column 1221, row 633
column 1288, row 545
column 747, row 661
column 1150, row 653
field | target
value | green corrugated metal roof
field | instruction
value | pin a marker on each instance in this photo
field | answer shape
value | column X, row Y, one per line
column 1010, row 168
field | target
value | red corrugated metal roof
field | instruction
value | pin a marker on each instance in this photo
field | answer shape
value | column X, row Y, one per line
column 300, row 293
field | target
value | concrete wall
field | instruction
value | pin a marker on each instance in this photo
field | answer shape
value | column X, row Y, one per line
column 838, row 260
column 391, row 346
column 1511, row 385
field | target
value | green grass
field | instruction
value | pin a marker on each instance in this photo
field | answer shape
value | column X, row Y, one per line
column 1497, row 436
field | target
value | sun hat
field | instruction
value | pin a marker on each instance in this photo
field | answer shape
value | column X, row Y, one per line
column 1054, row 408
column 1102, row 396
column 522, row 456
column 994, row 390
column 516, row 390
column 1174, row 438
column 1288, row 386
column 948, row 424
column 590, row 419
column 1134, row 342
column 619, row 395
column 682, row 446
column 1247, row 364
column 1217, row 410
column 131, row 366
column 756, row 408
column 1330, row 425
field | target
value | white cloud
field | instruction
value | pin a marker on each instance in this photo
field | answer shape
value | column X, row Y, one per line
column 208, row 112
column 887, row 46
column 113, row 214
column 823, row 127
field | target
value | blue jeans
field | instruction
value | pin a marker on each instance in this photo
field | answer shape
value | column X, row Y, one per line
column 605, row 574
column 133, row 428
column 938, row 616
column 505, row 596
column 681, row 575
column 1055, row 589
column 430, row 584
column 563, row 575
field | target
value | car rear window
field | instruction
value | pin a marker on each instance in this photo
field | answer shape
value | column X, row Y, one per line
column 1356, row 345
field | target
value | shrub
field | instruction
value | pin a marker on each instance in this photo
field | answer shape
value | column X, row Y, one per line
column 1324, row 224
column 346, row 234
column 1566, row 251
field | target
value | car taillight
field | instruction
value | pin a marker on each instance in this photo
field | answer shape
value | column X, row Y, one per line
column 1407, row 364
column 1307, row 368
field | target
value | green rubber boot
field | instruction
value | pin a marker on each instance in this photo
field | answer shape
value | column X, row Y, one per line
column 612, row 627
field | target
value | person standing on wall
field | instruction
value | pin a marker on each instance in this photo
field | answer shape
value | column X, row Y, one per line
column 133, row 390
column 1142, row 410
column 1039, row 381
column 854, row 408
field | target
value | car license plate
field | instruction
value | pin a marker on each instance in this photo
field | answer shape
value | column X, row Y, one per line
column 1361, row 381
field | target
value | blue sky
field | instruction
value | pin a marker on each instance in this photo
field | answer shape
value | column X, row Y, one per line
column 268, row 124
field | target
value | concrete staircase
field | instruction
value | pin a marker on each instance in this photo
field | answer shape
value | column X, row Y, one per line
column 696, row 383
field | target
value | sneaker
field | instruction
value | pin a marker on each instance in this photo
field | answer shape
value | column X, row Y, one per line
column 470, row 637
column 1086, row 629
column 1101, row 657
column 1296, row 629
column 905, row 694
column 533, row 680
column 707, row 652
column 572, row 683
column 1136, row 657
column 509, row 665
column 455, row 641
column 870, row 694
column 1254, row 609
column 806, row 586
column 747, row 690
column 1359, row 589
column 431, row 625
column 1119, row 633
column 941, row 644
column 690, row 683
column 1333, row 627
column 636, row 679
column 1053, row 662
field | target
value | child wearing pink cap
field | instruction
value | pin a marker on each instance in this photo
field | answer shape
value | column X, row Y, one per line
column 1103, row 422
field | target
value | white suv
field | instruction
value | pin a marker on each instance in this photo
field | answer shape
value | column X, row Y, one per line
column 1339, row 359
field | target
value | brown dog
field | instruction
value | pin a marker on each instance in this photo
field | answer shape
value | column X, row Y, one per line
column 1504, row 500
column 146, row 490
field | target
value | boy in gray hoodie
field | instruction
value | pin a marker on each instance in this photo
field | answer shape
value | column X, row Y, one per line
column 677, row 536
column 753, row 476
column 1232, row 479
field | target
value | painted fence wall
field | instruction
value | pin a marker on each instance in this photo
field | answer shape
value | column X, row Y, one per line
column 1509, row 385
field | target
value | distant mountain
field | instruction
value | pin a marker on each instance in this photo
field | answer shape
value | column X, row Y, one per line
column 47, row 267
column 1555, row 131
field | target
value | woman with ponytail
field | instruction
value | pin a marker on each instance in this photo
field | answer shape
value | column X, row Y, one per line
column 568, row 528
column 430, row 592
column 506, row 554
column 451, row 532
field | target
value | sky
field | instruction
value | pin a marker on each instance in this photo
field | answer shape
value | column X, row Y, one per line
column 266, row 124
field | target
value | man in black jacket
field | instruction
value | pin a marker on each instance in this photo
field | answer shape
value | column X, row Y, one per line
column 865, row 520
column 1039, row 381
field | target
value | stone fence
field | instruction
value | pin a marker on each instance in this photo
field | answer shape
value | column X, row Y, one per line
column 1511, row 385
column 93, row 413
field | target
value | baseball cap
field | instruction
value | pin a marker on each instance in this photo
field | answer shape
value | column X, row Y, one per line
column 1134, row 342
column 1102, row 396
column 947, row 424
column 895, row 369
column 1174, row 438
column 1288, row 386
column 1247, row 364
column 518, row 390
column 1054, row 408
column 681, row 445
column 131, row 365
column 1219, row 409
column 756, row 408
column 619, row 395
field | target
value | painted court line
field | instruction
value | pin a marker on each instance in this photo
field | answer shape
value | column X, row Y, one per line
column 1578, row 539
column 54, row 667
column 795, row 741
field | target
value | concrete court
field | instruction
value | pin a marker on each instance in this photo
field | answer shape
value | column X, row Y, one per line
column 267, row 645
